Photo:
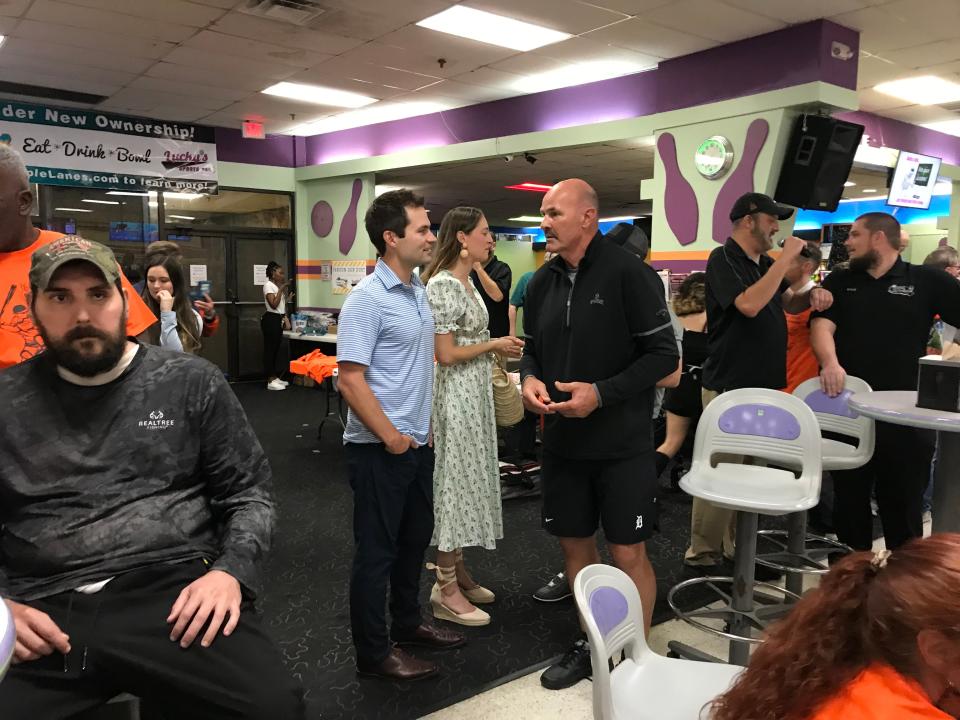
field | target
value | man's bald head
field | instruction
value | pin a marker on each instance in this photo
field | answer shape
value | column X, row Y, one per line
column 16, row 202
column 570, row 212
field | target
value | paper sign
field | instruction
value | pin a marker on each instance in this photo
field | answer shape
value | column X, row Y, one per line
column 197, row 273
column 346, row 275
column 326, row 271
column 259, row 274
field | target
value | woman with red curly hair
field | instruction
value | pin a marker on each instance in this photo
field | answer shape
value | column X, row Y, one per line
column 878, row 640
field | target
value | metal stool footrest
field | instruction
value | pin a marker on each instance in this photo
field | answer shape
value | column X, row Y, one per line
column 766, row 607
column 814, row 560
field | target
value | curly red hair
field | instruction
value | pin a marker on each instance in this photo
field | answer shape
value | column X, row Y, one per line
column 861, row 614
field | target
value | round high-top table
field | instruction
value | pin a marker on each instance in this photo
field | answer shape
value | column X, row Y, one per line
column 900, row 408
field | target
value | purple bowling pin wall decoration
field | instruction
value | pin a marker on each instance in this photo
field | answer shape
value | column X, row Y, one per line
column 679, row 200
column 348, row 226
column 740, row 180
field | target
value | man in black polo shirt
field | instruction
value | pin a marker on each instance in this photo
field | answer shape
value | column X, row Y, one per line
column 493, row 281
column 747, row 335
column 876, row 330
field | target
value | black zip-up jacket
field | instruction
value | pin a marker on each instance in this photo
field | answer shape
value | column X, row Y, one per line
column 611, row 328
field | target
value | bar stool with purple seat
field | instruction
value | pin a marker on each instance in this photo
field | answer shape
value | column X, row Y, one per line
column 645, row 685
column 737, row 429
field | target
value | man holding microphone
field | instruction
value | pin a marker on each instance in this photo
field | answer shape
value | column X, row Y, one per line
column 747, row 294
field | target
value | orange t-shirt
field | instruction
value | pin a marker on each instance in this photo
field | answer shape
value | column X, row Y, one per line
column 19, row 339
column 881, row 693
column 801, row 362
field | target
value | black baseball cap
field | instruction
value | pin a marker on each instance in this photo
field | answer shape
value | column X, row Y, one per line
column 758, row 202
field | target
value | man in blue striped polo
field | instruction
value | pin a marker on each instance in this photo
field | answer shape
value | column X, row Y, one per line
column 385, row 355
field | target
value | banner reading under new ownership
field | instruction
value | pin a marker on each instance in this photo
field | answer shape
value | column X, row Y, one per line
column 64, row 146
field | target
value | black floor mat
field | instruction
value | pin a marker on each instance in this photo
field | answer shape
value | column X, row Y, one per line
column 305, row 604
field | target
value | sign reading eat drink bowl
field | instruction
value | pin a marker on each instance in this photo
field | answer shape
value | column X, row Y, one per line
column 66, row 146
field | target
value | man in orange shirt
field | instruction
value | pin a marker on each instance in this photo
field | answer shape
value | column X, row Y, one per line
column 801, row 362
column 19, row 339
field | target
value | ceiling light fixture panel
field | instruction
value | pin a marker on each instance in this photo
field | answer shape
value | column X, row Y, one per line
column 486, row 27
column 922, row 90
column 319, row 95
column 529, row 187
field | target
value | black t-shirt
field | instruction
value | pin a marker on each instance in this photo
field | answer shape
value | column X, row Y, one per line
column 501, row 274
column 743, row 351
column 883, row 323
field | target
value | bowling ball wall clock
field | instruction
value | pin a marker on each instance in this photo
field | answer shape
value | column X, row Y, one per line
column 713, row 157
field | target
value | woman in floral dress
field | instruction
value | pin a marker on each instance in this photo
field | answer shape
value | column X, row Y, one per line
column 466, row 477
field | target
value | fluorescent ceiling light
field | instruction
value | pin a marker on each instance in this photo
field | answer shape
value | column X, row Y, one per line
column 73, row 209
column 182, row 217
column 619, row 219
column 319, row 95
column 948, row 127
column 369, row 116
column 492, row 29
column 102, row 202
column 922, row 90
column 131, row 194
column 849, row 184
column 2, row 38
column 529, row 187
column 860, row 199
column 868, row 190
column 178, row 195
column 578, row 74
column 526, row 218
column 943, row 187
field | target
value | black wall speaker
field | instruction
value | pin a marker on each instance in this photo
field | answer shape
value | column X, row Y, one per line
column 818, row 162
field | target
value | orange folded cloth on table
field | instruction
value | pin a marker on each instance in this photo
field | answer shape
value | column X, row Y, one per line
column 314, row 365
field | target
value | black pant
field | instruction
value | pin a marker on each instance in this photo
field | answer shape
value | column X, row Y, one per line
column 392, row 526
column 271, row 324
column 900, row 471
column 120, row 643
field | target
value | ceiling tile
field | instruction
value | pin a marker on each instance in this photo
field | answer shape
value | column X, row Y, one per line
column 104, row 21
column 56, row 68
column 229, row 45
column 881, row 30
column 926, row 54
column 14, row 8
column 52, row 33
column 581, row 49
column 280, row 33
column 150, row 99
column 66, row 81
column 424, row 48
column 462, row 92
column 353, row 67
column 873, row 70
column 528, row 64
column 224, row 4
column 63, row 54
column 712, row 20
column 791, row 11
column 7, row 24
column 370, row 20
column 189, row 89
column 489, row 78
column 564, row 15
column 338, row 82
column 919, row 114
column 650, row 39
column 209, row 68
column 172, row 11
column 873, row 101
column 629, row 7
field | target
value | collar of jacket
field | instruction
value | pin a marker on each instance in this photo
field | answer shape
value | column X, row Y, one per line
column 559, row 265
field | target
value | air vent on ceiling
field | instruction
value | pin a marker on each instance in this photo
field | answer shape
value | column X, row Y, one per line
column 38, row 91
column 295, row 12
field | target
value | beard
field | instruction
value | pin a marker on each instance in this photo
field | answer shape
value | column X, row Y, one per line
column 65, row 353
column 764, row 241
column 864, row 262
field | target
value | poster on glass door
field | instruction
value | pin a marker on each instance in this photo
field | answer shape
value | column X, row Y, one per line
column 84, row 148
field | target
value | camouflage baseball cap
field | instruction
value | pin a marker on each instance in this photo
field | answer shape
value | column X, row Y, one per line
column 49, row 258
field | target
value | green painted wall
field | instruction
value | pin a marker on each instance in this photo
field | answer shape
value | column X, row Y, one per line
column 313, row 249
column 255, row 177
column 521, row 258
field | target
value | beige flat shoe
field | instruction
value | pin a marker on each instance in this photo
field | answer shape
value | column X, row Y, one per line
column 445, row 576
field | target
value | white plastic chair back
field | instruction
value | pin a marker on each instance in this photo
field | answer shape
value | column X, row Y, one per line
column 835, row 415
column 8, row 638
column 773, row 427
column 645, row 686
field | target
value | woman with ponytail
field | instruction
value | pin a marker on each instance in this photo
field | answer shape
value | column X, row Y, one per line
column 879, row 639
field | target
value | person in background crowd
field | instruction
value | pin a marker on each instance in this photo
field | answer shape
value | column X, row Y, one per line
column 20, row 339
column 276, row 295
column 181, row 327
column 945, row 258
column 877, row 640
column 682, row 403
column 876, row 330
column 519, row 293
column 466, row 477
column 747, row 292
column 492, row 280
column 904, row 241
column 801, row 362
column 598, row 339
column 385, row 347
column 131, row 546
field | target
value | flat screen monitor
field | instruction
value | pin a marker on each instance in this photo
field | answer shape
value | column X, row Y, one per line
column 913, row 180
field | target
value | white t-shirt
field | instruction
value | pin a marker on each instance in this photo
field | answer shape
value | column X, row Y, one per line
column 270, row 288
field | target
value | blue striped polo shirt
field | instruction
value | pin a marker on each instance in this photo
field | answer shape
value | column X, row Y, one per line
column 388, row 326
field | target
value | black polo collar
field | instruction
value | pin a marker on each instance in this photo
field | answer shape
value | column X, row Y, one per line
column 558, row 264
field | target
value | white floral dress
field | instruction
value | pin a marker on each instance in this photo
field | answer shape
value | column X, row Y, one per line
column 466, row 476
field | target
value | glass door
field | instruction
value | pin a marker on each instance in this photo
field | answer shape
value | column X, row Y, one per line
column 252, row 253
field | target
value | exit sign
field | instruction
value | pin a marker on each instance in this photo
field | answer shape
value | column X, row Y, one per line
column 253, row 130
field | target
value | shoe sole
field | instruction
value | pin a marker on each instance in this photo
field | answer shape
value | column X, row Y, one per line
column 428, row 645
column 552, row 600
column 381, row 676
column 562, row 686
column 442, row 613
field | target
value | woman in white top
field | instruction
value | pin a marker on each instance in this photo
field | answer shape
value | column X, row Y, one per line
column 166, row 295
column 276, row 294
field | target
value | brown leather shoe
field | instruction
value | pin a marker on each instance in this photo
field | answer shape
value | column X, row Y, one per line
column 398, row 665
column 431, row 636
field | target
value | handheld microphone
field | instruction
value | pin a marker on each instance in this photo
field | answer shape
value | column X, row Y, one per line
column 804, row 253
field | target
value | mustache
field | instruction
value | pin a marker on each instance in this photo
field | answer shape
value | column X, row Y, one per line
column 80, row 333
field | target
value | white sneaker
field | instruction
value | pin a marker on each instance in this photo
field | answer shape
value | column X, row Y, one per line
column 282, row 382
column 276, row 385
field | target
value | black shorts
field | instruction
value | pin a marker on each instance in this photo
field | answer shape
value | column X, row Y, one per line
column 620, row 493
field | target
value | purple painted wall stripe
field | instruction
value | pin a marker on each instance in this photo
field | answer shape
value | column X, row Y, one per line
column 887, row 132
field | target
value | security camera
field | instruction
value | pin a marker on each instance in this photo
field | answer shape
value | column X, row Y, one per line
column 840, row 51
column 507, row 158
column 529, row 158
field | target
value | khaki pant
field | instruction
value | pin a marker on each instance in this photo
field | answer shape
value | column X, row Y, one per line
column 712, row 528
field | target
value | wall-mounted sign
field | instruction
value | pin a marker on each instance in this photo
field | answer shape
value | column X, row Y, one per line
column 346, row 274
column 83, row 148
column 714, row 157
